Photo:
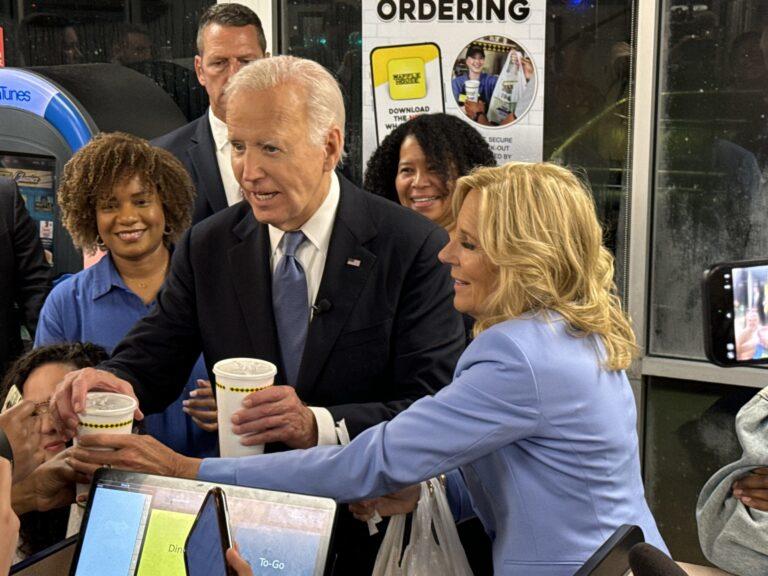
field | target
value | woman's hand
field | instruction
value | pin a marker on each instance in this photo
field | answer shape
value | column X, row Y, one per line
column 22, row 428
column 130, row 452
column 476, row 111
column 237, row 563
column 201, row 406
column 9, row 522
column 51, row 485
column 400, row 502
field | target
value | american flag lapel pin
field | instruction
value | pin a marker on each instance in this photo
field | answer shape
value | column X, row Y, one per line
column 354, row 262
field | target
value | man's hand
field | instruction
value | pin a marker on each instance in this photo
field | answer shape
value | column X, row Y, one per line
column 400, row 502
column 51, row 485
column 9, row 522
column 201, row 406
column 130, row 452
column 22, row 429
column 69, row 398
column 238, row 563
column 752, row 490
column 275, row 414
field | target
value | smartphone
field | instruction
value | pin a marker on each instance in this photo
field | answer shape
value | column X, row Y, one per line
column 209, row 539
column 736, row 313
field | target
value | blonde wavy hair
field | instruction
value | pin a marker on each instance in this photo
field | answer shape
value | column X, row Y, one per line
column 537, row 224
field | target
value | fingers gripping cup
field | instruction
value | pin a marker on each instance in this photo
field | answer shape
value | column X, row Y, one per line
column 472, row 89
column 235, row 379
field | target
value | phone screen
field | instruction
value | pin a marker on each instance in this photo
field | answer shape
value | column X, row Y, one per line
column 205, row 547
column 736, row 313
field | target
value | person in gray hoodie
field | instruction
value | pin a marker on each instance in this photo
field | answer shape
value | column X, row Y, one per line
column 732, row 511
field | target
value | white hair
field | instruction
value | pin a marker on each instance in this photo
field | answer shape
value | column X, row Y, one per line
column 325, row 104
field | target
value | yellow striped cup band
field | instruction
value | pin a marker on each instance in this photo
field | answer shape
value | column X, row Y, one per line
column 233, row 389
column 105, row 426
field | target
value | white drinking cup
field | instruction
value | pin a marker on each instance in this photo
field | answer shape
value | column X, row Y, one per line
column 235, row 379
column 472, row 90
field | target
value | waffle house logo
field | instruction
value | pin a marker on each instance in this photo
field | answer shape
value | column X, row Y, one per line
column 13, row 95
column 454, row 10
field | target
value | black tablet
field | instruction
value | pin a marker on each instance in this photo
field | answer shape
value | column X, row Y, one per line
column 136, row 524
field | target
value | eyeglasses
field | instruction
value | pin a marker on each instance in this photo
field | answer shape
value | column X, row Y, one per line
column 42, row 408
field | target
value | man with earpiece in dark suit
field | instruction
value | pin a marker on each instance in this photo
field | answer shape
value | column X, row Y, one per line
column 341, row 289
column 229, row 36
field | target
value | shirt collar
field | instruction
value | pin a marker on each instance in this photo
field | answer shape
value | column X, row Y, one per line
column 219, row 130
column 319, row 227
column 105, row 277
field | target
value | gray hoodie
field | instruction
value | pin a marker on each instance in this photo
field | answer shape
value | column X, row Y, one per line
column 733, row 536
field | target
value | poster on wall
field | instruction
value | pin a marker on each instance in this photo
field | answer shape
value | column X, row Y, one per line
column 481, row 60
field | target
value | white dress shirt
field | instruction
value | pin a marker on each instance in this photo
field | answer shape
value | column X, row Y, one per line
column 312, row 254
column 224, row 159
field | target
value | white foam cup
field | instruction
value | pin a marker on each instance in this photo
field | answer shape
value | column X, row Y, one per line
column 471, row 89
column 235, row 379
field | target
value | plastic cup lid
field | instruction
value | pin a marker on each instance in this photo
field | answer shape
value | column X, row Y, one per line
column 245, row 368
column 107, row 403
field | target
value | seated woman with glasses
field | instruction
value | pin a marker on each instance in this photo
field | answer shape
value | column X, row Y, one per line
column 41, row 499
column 131, row 201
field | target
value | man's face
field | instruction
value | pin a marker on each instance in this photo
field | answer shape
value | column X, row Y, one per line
column 284, row 177
column 226, row 49
column 476, row 62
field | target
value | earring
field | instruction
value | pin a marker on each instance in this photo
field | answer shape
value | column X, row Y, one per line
column 100, row 243
column 167, row 231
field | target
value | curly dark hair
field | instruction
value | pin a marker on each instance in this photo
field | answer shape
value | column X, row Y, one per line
column 39, row 530
column 109, row 159
column 78, row 354
column 448, row 142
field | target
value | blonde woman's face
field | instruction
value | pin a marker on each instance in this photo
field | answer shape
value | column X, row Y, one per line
column 474, row 275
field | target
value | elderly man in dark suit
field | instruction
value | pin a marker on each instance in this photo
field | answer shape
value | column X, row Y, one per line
column 340, row 288
column 228, row 37
column 25, row 277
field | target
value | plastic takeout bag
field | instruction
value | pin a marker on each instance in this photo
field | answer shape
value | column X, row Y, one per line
column 434, row 546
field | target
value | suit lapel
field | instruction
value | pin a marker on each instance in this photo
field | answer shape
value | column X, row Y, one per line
column 251, row 275
column 347, row 268
column 202, row 153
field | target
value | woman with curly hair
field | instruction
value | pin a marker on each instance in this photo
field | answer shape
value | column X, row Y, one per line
column 130, row 200
column 536, row 434
column 419, row 162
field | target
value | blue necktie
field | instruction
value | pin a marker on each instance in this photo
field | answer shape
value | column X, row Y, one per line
column 291, row 305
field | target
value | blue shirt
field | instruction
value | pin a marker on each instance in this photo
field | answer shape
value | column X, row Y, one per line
column 545, row 440
column 96, row 306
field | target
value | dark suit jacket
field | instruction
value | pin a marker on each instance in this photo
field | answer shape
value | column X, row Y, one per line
column 25, row 277
column 193, row 145
column 390, row 336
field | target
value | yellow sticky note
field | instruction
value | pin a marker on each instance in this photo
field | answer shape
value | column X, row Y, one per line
column 163, row 551
column 407, row 80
